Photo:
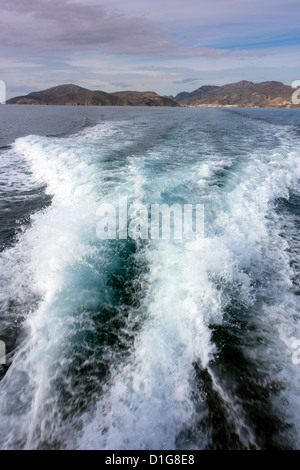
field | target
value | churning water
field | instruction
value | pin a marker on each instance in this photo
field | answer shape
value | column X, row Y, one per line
column 149, row 344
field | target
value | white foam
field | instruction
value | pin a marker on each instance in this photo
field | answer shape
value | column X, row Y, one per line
column 41, row 262
column 149, row 399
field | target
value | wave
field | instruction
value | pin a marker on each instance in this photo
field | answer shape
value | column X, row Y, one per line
column 156, row 344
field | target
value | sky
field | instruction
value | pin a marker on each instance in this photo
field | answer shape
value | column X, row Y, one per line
column 167, row 46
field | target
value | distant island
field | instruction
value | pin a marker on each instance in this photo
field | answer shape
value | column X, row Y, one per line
column 73, row 95
column 244, row 94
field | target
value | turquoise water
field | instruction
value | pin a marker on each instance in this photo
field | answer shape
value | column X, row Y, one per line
column 149, row 344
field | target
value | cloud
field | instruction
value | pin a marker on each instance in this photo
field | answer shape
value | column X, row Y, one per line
column 121, row 84
column 188, row 80
column 203, row 12
column 62, row 27
column 58, row 26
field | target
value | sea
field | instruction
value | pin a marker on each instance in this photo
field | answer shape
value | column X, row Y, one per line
column 149, row 343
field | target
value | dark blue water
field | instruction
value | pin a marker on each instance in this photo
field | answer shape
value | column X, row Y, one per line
column 149, row 344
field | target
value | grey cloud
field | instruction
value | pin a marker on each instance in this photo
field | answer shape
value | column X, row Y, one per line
column 188, row 80
column 121, row 84
column 60, row 27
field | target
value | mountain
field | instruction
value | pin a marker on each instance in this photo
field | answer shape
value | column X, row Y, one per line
column 241, row 94
column 89, row 98
column 143, row 98
column 194, row 95
column 50, row 94
column 75, row 95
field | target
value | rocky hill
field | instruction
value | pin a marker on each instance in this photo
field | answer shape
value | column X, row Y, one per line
column 143, row 98
column 73, row 95
column 241, row 94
